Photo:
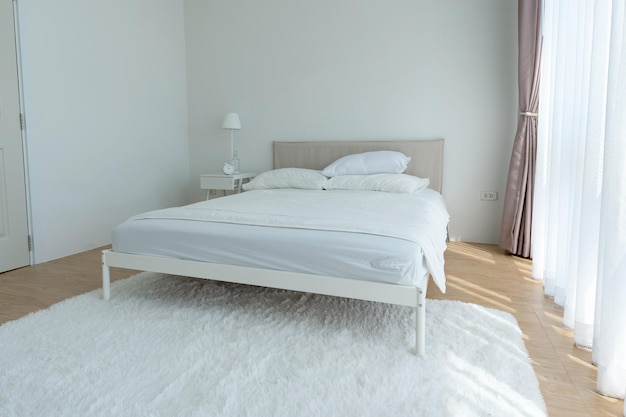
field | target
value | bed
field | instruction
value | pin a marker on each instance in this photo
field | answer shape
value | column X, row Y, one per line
column 226, row 239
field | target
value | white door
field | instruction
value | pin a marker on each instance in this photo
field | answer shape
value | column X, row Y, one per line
column 14, row 251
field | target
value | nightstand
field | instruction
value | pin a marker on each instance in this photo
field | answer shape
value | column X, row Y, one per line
column 224, row 182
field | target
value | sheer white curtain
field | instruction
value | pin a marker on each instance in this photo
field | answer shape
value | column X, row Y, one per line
column 579, row 216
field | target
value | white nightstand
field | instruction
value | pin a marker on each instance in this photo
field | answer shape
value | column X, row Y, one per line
column 224, row 182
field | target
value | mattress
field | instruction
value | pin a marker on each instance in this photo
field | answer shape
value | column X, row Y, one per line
column 365, row 235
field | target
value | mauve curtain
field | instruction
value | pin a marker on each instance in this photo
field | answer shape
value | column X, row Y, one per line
column 515, row 231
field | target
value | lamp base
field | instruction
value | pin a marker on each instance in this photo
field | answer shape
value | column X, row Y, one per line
column 235, row 161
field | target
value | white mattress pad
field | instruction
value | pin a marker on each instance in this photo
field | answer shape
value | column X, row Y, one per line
column 382, row 231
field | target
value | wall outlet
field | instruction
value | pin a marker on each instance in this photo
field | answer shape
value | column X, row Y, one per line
column 488, row 195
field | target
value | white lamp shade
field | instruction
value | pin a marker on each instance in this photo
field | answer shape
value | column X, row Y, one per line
column 231, row 121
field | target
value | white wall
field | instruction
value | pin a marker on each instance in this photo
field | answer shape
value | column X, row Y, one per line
column 106, row 116
column 354, row 69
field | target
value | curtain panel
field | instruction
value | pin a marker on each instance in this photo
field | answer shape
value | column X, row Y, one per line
column 579, row 216
column 515, row 231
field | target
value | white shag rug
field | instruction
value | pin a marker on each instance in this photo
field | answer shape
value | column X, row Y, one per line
column 173, row 346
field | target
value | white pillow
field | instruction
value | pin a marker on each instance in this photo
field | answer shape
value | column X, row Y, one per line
column 307, row 179
column 392, row 183
column 375, row 162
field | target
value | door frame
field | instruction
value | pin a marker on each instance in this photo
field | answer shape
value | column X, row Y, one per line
column 23, row 133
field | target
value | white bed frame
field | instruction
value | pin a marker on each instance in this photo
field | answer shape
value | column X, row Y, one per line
column 426, row 161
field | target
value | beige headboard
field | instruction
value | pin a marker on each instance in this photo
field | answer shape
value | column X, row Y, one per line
column 426, row 155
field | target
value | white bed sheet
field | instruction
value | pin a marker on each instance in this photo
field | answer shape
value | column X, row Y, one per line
column 339, row 254
column 208, row 232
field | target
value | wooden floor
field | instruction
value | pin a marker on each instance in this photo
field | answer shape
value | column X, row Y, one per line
column 476, row 273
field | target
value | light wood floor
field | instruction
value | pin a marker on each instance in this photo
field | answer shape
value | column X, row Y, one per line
column 476, row 273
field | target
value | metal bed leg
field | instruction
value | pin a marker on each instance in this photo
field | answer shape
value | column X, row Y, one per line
column 420, row 323
column 106, row 279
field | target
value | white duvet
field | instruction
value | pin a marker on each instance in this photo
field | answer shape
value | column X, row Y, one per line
column 418, row 217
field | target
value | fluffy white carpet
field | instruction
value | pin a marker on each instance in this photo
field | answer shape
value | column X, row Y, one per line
column 172, row 346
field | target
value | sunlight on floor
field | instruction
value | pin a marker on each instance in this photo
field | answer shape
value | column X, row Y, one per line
column 581, row 362
column 524, row 265
column 457, row 284
column 564, row 331
column 553, row 316
column 468, row 284
column 486, row 275
column 472, row 251
column 607, row 399
column 533, row 281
